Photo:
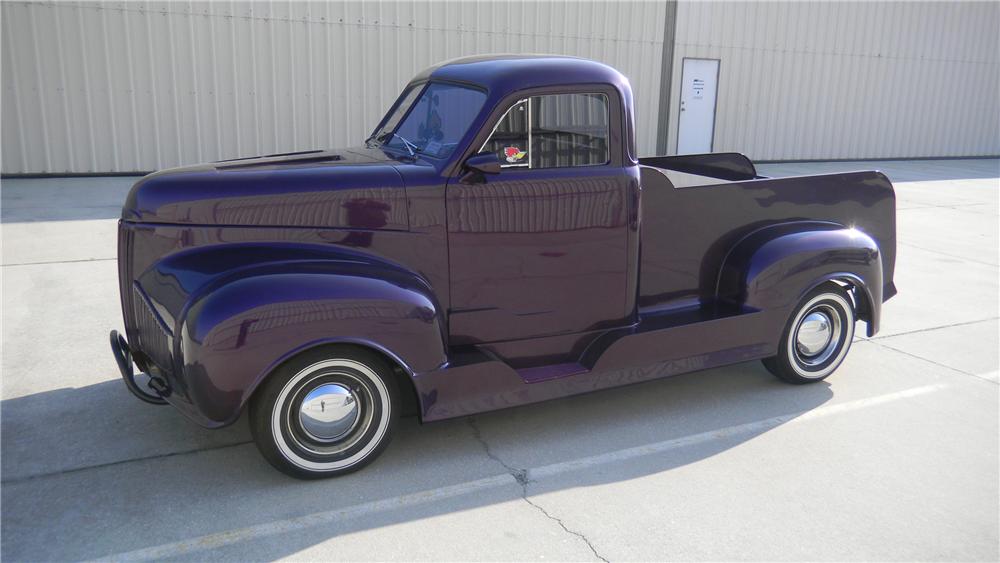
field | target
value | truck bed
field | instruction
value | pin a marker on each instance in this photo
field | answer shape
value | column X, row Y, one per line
column 697, row 207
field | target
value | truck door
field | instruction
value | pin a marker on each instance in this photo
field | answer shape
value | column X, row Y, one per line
column 542, row 248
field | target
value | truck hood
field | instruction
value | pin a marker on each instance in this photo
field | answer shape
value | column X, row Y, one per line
column 342, row 188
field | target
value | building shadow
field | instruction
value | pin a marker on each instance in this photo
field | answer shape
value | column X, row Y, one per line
column 26, row 200
column 897, row 170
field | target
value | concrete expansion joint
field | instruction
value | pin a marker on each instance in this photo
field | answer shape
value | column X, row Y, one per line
column 930, row 329
column 84, row 468
column 50, row 262
column 882, row 344
column 522, row 478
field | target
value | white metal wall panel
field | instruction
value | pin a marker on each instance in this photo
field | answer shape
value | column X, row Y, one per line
column 826, row 80
column 128, row 86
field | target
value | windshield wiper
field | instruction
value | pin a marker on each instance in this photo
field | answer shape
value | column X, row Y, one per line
column 410, row 147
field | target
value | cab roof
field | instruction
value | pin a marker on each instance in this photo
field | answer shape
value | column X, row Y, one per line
column 504, row 73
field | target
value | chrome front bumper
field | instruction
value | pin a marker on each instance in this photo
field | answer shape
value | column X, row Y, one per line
column 158, row 389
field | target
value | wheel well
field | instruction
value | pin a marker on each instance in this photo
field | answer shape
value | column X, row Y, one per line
column 859, row 296
column 404, row 382
column 407, row 390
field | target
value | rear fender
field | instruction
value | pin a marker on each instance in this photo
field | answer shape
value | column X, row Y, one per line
column 774, row 267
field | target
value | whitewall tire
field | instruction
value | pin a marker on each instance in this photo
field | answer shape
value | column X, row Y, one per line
column 326, row 412
column 817, row 337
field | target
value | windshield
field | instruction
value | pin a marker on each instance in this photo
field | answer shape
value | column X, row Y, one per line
column 438, row 120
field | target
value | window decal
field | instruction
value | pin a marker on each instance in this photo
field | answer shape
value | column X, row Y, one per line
column 513, row 154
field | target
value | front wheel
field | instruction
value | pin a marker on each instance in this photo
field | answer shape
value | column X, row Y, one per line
column 817, row 337
column 325, row 413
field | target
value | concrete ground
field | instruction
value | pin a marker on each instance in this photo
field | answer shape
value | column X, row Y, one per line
column 894, row 457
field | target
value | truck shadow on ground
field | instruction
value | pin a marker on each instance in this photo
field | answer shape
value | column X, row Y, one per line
column 106, row 457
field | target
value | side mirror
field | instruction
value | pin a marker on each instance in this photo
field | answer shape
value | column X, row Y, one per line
column 479, row 165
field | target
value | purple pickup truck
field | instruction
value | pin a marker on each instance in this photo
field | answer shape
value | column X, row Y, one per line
column 495, row 242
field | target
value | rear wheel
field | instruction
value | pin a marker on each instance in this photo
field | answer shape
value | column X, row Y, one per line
column 817, row 337
column 326, row 412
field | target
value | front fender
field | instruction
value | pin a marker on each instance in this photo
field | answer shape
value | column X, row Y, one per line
column 238, row 326
column 774, row 267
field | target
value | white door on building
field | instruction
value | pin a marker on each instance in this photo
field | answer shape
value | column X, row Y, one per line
column 696, row 126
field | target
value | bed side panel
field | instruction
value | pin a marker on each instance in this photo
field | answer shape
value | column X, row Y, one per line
column 687, row 232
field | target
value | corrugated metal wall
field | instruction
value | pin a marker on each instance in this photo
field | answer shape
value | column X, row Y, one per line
column 125, row 86
column 847, row 80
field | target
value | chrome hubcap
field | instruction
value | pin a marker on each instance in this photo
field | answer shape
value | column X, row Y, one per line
column 328, row 412
column 814, row 334
column 817, row 335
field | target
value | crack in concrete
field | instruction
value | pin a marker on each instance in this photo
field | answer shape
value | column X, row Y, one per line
column 563, row 526
column 521, row 476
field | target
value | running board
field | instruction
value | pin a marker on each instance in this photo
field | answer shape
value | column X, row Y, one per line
column 555, row 371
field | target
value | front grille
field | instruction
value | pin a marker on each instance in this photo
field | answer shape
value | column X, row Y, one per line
column 125, row 273
column 150, row 337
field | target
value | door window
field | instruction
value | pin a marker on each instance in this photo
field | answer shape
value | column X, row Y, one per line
column 553, row 131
